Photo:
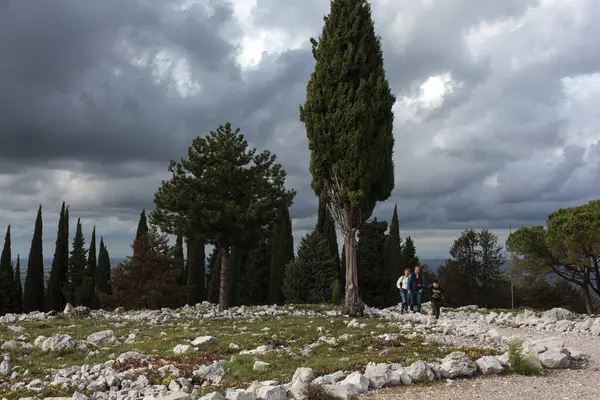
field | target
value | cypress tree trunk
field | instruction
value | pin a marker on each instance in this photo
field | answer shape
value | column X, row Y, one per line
column 353, row 306
column 223, row 284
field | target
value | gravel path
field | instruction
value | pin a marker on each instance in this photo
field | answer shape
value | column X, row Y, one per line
column 569, row 384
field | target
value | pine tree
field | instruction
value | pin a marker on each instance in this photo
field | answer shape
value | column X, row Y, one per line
column 349, row 120
column 18, row 286
column 75, row 290
column 196, row 269
column 372, row 263
column 225, row 190
column 103, row 271
column 409, row 254
column 8, row 295
column 33, row 296
column 55, row 299
column 394, row 265
column 282, row 253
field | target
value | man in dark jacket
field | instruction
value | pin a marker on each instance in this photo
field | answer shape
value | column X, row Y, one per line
column 416, row 284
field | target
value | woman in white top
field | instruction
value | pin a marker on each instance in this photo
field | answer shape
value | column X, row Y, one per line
column 402, row 285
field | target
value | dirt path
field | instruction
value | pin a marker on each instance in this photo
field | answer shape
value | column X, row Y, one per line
column 569, row 384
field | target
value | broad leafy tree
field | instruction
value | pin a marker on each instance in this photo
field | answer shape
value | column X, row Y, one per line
column 473, row 274
column 348, row 118
column 224, row 191
column 569, row 247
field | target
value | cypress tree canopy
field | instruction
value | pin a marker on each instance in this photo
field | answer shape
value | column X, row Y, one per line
column 348, row 115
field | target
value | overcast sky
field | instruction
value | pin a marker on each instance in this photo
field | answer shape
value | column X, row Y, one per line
column 496, row 120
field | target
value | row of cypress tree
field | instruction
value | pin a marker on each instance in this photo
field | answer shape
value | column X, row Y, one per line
column 265, row 273
column 77, row 276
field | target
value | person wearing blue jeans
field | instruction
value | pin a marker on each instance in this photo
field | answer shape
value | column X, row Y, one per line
column 416, row 284
column 402, row 285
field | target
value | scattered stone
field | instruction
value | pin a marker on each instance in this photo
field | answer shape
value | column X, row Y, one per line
column 102, row 338
column 457, row 365
column 204, row 341
column 260, row 366
column 181, row 349
column 489, row 365
column 6, row 365
column 555, row 358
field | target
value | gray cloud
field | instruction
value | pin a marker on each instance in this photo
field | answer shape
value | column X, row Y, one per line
column 98, row 97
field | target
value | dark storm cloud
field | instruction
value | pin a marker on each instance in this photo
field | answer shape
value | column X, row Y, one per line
column 71, row 87
column 84, row 88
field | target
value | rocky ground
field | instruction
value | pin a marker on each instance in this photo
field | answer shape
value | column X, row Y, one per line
column 294, row 352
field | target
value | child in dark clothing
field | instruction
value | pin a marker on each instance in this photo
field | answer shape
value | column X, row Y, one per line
column 437, row 294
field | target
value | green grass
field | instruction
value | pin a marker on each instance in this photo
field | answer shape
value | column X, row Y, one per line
column 353, row 351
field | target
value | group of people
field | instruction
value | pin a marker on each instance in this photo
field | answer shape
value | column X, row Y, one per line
column 411, row 288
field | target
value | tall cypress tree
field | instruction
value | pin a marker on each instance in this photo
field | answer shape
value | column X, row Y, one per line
column 33, row 296
column 55, row 299
column 18, row 286
column 8, row 296
column 393, row 249
column 92, row 260
column 281, row 254
column 349, row 120
column 102, row 279
column 142, row 228
column 255, row 278
column 88, row 292
column 196, row 269
column 409, row 254
column 75, row 291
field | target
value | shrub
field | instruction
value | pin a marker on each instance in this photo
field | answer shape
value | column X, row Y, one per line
column 313, row 391
column 519, row 363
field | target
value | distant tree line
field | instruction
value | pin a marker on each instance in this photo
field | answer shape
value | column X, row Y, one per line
column 78, row 276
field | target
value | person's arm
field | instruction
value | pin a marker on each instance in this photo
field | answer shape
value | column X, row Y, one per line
column 399, row 283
